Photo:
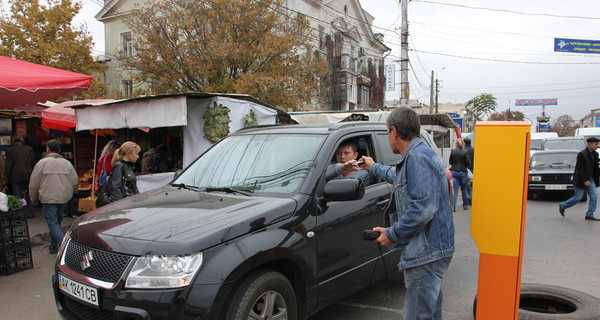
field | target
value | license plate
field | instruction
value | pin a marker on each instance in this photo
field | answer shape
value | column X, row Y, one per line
column 78, row 290
column 556, row 187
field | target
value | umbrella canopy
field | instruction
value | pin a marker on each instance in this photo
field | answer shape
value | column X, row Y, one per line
column 62, row 116
column 23, row 83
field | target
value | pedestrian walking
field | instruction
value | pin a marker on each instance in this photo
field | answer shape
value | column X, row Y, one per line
column 585, row 180
column 17, row 170
column 459, row 165
column 104, row 167
column 471, row 154
column 123, row 181
column 52, row 182
column 421, row 224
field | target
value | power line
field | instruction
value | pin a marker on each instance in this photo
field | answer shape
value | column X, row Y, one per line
column 508, row 11
column 505, row 61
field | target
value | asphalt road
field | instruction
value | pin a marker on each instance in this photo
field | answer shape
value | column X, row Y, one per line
column 558, row 251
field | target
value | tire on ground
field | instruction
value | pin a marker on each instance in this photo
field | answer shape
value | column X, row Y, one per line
column 260, row 289
column 547, row 302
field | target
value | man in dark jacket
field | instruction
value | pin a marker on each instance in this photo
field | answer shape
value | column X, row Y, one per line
column 19, row 165
column 585, row 179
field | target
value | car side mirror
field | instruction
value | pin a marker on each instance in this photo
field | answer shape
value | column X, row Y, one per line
column 344, row 190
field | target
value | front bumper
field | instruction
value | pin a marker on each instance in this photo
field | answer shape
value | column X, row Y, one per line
column 140, row 304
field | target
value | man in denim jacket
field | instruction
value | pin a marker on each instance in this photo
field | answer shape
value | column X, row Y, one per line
column 422, row 226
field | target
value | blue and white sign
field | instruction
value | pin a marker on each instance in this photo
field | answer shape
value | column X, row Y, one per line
column 390, row 77
column 453, row 115
column 543, row 127
column 576, row 45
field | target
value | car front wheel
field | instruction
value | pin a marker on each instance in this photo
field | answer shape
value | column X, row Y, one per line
column 264, row 295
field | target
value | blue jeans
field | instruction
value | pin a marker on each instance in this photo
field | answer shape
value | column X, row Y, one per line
column 591, row 192
column 461, row 179
column 54, row 212
column 424, row 290
column 21, row 190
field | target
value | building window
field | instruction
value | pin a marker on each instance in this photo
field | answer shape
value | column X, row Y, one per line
column 352, row 64
column 321, row 37
column 352, row 89
column 127, row 44
column 364, row 95
column 127, row 88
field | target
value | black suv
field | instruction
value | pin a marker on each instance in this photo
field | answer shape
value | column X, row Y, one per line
column 251, row 229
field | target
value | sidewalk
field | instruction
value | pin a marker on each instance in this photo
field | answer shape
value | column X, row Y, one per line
column 38, row 229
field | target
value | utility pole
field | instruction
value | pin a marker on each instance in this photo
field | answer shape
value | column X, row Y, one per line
column 404, row 88
column 437, row 93
column 431, row 95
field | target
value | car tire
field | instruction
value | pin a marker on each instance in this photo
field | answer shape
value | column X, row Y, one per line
column 260, row 289
column 547, row 302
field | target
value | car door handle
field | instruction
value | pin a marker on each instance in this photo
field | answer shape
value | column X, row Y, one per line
column 383, row 203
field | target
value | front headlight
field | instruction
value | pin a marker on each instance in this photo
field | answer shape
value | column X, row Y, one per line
column 535, row 178
column 152, row 272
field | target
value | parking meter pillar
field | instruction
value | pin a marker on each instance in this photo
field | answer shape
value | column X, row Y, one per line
column 498, row 215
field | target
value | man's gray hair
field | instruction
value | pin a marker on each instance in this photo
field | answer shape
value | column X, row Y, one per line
column 406, row 121
column 53, row 145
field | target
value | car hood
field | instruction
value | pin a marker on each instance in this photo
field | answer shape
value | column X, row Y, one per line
column 177, row 221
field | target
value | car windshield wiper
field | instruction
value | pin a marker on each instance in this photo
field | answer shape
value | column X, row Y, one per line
column 185, row 186
column 229, row 190
column 558, row 164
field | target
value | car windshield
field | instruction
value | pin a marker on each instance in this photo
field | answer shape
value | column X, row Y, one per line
column 566, row 144
column 254, row 164
column 536, row 144
column 554, row 160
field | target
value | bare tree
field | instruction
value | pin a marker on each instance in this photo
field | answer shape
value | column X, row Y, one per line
column 507, row 115
column 564, row 125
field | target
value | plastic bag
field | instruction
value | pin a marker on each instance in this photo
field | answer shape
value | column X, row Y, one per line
column 3, row 202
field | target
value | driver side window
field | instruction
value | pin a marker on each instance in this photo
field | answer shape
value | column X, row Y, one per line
column 351, row 149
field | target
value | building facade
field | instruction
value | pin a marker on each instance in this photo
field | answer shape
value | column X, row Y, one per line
column 343, row 36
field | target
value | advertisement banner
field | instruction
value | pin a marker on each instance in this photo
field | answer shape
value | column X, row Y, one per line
column 576, row 45
column 390, row 77
column 536, row 102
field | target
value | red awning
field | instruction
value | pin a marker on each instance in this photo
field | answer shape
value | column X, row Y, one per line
column 62, row 117
column 23, row 83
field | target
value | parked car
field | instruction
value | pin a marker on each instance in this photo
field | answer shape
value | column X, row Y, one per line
column 563, row 143
column 551, row 171
column 538, row 137
column 251, row 227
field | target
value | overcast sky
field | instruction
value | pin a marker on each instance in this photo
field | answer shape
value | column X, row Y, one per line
column 505, row 48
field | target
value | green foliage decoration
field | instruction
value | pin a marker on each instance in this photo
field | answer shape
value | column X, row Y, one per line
column 216, row 123
column 14, row 203
column 250, row 119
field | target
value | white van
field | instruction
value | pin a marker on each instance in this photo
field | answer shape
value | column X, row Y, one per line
column 588, row 132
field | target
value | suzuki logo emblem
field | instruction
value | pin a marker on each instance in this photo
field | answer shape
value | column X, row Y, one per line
column 86, row 260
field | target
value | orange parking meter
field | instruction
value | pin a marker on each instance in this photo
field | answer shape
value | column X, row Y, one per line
column 498, row 215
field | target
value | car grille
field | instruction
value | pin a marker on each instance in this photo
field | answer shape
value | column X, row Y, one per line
column 82, row 311
column 563, row 179
column 104, row 265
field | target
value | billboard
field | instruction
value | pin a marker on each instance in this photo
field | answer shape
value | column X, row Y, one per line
column 536, row 102
column 543, row 127
column 390, row 77
column 576, row 45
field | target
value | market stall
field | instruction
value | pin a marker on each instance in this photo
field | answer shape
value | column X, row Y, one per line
column 204, row 118
column 24, row 83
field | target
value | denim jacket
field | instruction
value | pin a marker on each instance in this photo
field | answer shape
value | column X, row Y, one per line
column 423, row 225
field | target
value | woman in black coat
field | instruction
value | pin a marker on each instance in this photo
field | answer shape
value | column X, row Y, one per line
column 123, row 181
column 459, row 162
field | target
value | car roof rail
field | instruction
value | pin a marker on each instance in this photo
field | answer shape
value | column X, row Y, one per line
column 263, row 126
column 340, row 125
